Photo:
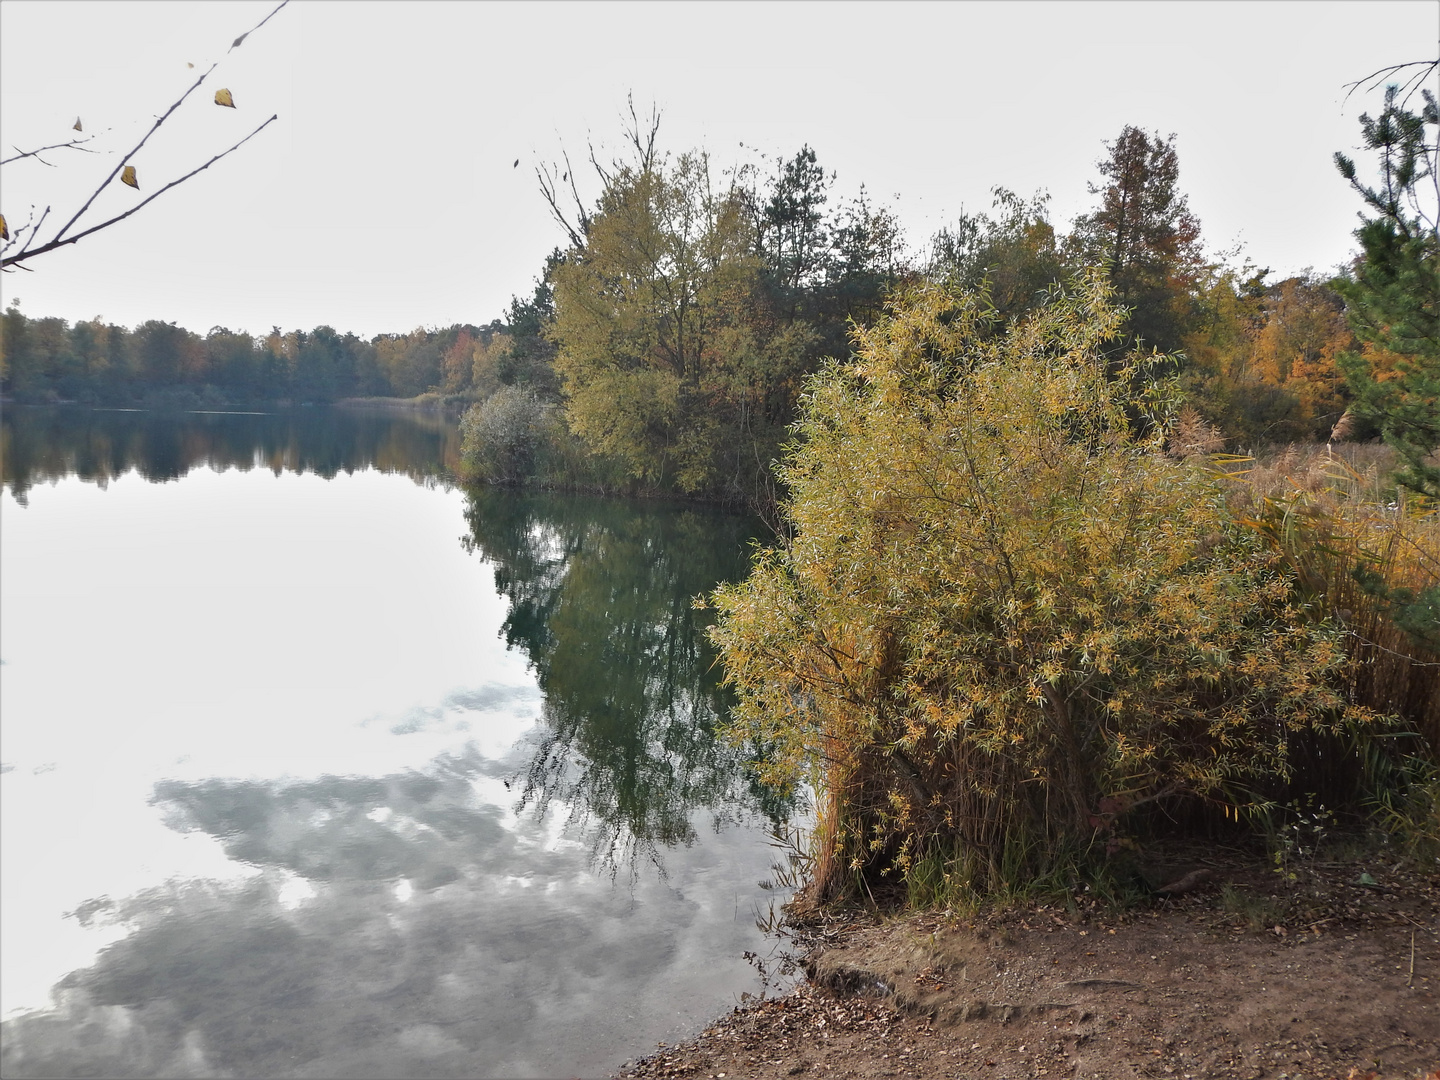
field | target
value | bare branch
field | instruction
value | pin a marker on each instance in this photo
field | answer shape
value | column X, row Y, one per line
column 241, row 39
column 14, row 238
column 575, row 193
column 135, row 150
column 550, row 192
column 644, row 143
column 35, row 231
column 600, row 170
column 1375, row 78
column 34, row 227
column 58, row 243
column 73, row 144
column 577, row 228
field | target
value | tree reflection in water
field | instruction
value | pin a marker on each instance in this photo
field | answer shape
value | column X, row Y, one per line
column 601, row 596
column 42, row 445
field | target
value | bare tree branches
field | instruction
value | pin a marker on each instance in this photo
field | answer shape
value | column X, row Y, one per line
column 644, row 143
column 556, row 184
column 578, row 228
column 33, row 231
column 73, row 144
column 62, row 237
column 1410, row 85
column 58, row 242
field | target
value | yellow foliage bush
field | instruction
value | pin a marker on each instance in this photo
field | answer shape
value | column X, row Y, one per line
column 1003, row 610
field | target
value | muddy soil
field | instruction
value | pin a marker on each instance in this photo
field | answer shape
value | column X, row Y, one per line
column 1243, row 974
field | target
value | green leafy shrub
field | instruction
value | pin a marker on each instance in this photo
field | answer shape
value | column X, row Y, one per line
column 1004, row 615
column 500, row 439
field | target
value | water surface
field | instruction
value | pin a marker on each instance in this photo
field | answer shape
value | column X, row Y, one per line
column 318, row 765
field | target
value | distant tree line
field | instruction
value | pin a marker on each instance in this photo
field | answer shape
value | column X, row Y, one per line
column 48, row 360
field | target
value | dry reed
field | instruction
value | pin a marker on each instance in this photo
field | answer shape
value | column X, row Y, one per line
column 1334, row 516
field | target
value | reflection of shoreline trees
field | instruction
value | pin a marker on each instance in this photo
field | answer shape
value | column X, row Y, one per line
column 600, row 596
column 40, row 445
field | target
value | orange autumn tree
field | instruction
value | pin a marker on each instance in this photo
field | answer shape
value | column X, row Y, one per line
column 456, row 363
column 1297, row 350
column 1263, row 358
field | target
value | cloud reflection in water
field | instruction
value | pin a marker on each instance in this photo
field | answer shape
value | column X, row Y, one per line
column 467, row 976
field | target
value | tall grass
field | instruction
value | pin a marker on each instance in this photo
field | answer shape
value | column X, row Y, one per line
column 1359, row 547
column 1332, row 514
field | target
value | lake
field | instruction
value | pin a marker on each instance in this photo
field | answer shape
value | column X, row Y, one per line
column 316, row 764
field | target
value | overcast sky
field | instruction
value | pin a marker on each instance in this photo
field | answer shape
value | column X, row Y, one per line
column 385, row 196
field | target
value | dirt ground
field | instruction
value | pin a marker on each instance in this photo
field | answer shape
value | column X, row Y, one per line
column 1332, row 976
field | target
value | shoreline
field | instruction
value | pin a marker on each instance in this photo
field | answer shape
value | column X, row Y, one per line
column 1198, row 986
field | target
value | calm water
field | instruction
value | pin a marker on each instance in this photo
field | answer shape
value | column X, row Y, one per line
column 315, row 765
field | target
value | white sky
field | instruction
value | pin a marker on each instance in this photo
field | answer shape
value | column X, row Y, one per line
column 384, row 198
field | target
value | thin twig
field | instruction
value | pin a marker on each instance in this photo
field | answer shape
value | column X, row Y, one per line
column 550, row 192
column 18, row 234
column 73, row 144
column 125, row 160
column 34, row 232
column 1376, row 645
column 58, row 243
column 1411, row 980
column 60, row 240
column 241, row 39
column 135, row 150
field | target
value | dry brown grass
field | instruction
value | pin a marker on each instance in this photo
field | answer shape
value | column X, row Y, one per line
column 1330, row 510
column 1355, row 471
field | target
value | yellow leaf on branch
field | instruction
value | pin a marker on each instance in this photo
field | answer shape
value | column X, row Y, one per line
column 127, row 176
column 4, row 229
column 222, row 97
column 77, row 125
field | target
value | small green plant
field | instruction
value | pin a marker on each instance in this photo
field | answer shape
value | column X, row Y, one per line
column 1297, row 842
column 1259, row 912
column 1406, row 807
column 942, row 880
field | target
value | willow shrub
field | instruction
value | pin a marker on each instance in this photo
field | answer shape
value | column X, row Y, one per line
column 516, row 438
column 1003, row 617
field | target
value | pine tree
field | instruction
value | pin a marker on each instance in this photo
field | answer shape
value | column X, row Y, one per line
column 1393, row 297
